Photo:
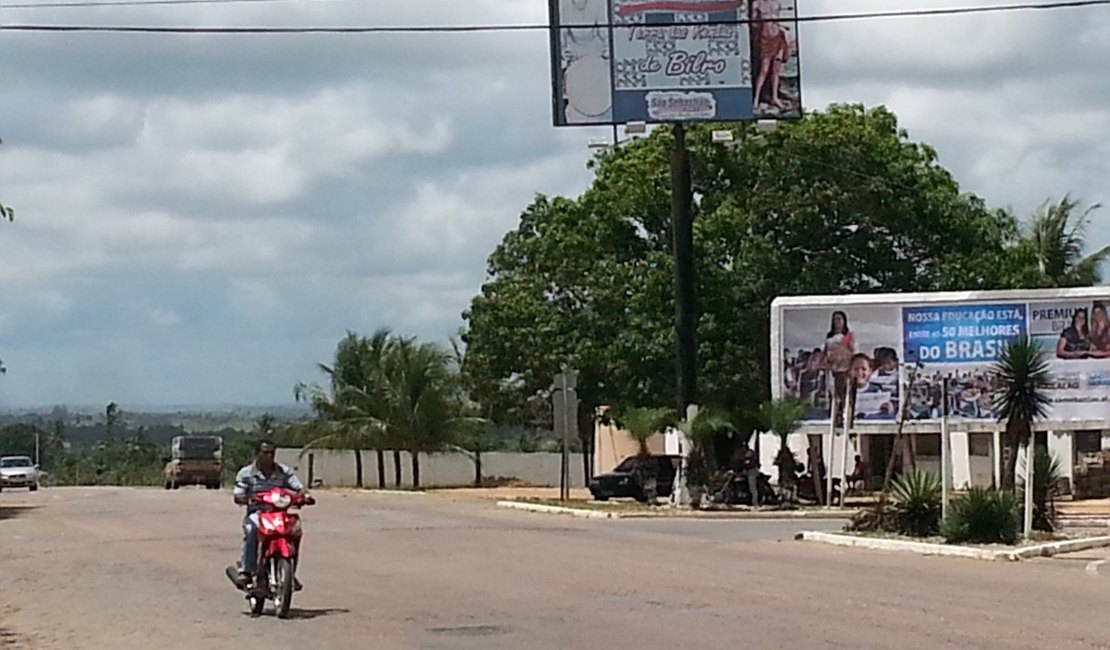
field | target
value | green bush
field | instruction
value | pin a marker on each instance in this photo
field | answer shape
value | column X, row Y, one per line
column 983, row 516
column 915, row 501
column 1046, row 487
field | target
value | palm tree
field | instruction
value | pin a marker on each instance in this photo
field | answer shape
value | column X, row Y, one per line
column 471, row 434
column 702, row 431
column 417, row 391
column 351, row 414
column 1057, row 236
column 1022, row 371
column 341, row 423
column 783, row 418
column 111, row 418
column 643, row 423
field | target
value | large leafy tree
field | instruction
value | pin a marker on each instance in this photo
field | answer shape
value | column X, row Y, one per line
column 840, row 201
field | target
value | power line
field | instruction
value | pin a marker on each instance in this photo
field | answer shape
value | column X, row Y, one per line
column 433, row 29
column 131, row 3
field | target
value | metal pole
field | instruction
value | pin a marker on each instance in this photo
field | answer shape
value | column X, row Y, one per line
column 849, row 408
column 1030, row 463
column 37, row 448
column 945, row 459
column 682, row 226
column 832, row 442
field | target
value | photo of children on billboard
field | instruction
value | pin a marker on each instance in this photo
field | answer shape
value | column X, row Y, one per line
column 958, row 344
column 970, row 393
column 829, row 351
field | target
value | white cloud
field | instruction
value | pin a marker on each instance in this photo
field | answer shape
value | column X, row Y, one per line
column 200, row 218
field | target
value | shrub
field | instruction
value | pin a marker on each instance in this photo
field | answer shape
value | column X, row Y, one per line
column 983, row 516
column 915, row 501
column 1046, row 487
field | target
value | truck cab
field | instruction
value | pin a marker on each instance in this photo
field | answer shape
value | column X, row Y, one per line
column 195, row 460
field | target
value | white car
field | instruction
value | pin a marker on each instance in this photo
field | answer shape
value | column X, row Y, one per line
column 19, row 471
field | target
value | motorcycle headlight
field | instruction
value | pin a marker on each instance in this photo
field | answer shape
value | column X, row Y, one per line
column 282, row 501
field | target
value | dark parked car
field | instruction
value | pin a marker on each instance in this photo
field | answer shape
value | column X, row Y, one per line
column 626, row 479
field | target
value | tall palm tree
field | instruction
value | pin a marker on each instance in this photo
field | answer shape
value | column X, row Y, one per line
column 1020, row 400
column 1056, row 233
column 351, row 413
column 417, row 390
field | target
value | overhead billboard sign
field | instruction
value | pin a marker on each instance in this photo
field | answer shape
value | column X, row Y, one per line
column 654, row 61
column 823, row 345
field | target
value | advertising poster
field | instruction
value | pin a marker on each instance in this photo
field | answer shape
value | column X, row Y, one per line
column 620, row 61
column 949, row 347
column 826, row 350
column 1075, row 334
column 958, row 344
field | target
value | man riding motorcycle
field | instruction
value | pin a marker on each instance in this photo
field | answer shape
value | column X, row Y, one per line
column 261, row 475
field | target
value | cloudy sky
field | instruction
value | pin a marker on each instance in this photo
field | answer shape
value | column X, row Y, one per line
column 201, row 217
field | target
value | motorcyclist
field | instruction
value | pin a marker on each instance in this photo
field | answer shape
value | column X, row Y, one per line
column 261, row 475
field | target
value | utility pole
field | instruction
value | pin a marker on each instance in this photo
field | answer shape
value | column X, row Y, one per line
column 685, row 308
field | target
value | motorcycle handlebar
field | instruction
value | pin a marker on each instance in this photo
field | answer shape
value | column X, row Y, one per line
column 307, row 500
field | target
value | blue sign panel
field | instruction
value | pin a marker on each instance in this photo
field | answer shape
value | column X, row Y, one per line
column 960, row 333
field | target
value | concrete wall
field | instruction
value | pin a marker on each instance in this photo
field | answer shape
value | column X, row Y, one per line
column 337, row 468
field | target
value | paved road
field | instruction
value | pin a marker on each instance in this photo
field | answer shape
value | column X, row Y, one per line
column 112, row 568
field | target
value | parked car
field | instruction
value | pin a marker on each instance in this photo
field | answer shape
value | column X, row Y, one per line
column 19, row 471
column 625, row 479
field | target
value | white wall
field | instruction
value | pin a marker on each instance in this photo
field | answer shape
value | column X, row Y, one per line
column 337, row 468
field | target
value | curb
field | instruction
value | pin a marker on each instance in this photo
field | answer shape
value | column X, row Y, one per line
column 771, row 515
column 1066, row 546
column 539, row 507
column 926, row 548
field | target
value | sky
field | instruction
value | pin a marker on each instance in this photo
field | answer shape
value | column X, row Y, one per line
column 200, row 218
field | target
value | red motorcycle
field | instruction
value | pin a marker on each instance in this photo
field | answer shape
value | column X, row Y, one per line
column 279, row 539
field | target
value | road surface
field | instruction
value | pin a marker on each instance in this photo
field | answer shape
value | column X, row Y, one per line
column 116, row 568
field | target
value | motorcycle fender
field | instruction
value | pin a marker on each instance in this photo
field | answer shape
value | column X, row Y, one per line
column 280, row 547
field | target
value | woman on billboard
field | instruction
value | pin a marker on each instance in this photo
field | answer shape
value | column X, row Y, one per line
column 1075, row 340
column 840, row 348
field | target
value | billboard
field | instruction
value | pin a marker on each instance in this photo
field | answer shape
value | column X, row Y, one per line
column 653, row 61
column 823, row 345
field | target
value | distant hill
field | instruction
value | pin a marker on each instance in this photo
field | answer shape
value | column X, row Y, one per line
column 83, row 425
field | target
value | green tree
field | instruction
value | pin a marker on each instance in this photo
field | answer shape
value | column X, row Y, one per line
column 112, row 418
column 783, row 417
column 418, row 413
column 351, row 413
column 643, row 423
column 1056, row 237
column 1022, row 371
column 840, row 201
column 475, row 406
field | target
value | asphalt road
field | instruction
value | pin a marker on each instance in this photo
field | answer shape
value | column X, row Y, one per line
column 114, row 568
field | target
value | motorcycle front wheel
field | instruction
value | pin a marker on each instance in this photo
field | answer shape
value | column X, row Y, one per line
column 282, row 584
